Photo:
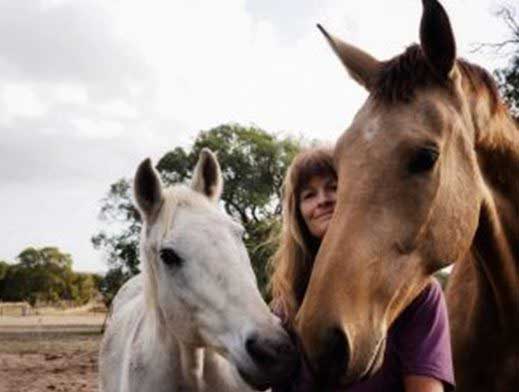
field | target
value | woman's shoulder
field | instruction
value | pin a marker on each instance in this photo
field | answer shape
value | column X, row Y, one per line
column 420, row 336
column 427, row 308
column 430, row 297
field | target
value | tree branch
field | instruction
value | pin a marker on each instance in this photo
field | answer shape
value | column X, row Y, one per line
column 244, row 218
column 507, row 15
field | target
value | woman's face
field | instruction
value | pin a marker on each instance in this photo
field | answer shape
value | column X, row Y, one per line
column 317, row 202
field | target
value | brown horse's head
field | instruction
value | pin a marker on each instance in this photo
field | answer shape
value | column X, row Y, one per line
column 409, row 195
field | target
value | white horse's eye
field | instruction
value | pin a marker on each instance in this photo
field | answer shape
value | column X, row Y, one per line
column 170, row 257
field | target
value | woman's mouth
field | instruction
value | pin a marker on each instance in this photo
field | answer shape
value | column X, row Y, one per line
column 326, row 214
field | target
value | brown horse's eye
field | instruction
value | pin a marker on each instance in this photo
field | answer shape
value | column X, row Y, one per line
column 423, row 160
column 170, row 257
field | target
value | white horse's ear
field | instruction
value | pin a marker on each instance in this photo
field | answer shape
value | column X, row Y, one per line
column 437, row 39
column 360, row 65
column 207, row 176
column 147, row 190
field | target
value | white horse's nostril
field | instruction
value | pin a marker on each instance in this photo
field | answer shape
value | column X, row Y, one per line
column 260, row 351
column 272, row 355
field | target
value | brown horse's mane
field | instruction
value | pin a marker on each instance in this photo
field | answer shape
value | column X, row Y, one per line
column 404, row 74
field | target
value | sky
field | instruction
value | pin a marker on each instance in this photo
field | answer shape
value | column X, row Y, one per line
column 88, row 89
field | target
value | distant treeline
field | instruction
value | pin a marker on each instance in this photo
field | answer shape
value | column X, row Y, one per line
column 45, row 276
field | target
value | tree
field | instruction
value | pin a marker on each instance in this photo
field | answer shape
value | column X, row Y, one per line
column 4, row 266
column 120, row 247
column 112, row 281
column 45, row 275
column 508, row 81
column 83, row 288
column 253, row 165
column 508, row 78
column 4, row 270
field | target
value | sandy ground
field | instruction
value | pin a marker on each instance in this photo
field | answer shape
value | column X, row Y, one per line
column 47, row 323
column 49, row 353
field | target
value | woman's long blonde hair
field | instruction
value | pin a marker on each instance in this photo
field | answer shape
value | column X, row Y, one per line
column 292, row 263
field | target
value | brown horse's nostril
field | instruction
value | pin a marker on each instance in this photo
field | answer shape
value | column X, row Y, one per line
column 334, row 358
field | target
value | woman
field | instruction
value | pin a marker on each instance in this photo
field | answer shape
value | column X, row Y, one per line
column 418, row 354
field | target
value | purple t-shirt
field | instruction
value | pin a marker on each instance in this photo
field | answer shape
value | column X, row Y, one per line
column 418, row 343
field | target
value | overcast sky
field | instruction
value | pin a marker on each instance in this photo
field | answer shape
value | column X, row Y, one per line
column 90, row 88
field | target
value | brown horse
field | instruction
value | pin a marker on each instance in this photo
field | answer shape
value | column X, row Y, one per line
column 428, row 176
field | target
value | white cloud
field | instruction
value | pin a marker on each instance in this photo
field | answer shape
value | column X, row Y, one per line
column 20, row 100
column 68, row 93
column 97, row 129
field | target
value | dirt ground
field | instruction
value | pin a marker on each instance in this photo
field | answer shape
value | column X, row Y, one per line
column 49, row 354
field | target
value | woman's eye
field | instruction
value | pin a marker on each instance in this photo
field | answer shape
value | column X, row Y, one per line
column 170, row 257
column 423, row 160
column 306, row 196
column 333, row 187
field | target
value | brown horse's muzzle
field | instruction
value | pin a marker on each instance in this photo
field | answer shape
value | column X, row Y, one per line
column 336, row 360
column 333, row 361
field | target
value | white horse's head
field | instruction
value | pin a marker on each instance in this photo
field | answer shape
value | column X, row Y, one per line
column 198, row 276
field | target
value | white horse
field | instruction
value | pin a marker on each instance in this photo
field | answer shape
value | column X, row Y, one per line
column 194, row 319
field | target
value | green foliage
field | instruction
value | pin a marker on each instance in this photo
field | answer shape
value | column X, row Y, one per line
column 44, row 275
column 112, row 281
column 508, row 80
column 4, row 266
column 443, row 278
column 261, row 243
column 120, row 246
column 253, row 165
column 83, row 288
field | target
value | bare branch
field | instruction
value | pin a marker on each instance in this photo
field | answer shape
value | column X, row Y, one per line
column 496, row 46
column 508, row 15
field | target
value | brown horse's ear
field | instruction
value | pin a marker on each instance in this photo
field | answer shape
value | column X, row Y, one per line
column 437, row 39
column 360, row 65
column 147, row 190
column 207, row 177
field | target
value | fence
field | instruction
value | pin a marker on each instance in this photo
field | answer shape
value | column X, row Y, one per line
column 15, row 309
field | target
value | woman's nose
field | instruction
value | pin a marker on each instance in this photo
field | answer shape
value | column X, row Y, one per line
column 326, row 197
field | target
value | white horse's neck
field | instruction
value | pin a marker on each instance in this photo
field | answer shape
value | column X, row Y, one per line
column 197, row 369
column 186, row 363
column 192, row 366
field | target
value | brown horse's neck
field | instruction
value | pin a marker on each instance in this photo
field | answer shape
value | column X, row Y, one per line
column 496, row 245
column 498, row 149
